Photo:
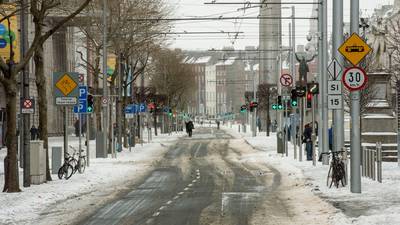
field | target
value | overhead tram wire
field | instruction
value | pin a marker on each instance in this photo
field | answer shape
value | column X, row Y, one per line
column 226, row 18
column 262, row 3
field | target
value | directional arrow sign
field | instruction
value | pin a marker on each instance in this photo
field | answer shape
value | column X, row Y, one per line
column 335, row 69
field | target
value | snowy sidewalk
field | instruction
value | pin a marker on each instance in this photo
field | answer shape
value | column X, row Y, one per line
column 378, row 204
column 104, row 176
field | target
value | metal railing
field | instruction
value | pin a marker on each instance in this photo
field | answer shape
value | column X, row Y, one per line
column 372, row 162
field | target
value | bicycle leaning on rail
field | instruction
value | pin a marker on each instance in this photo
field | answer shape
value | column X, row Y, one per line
column 337, row 172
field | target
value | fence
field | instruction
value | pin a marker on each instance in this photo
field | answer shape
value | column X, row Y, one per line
column 372, row 162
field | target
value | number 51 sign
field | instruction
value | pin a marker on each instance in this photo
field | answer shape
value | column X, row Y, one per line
column 354, row 78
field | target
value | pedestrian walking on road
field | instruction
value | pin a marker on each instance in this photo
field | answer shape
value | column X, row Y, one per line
column 189, row 128
column 218, row 124
column 76, row 125
column 307, row 140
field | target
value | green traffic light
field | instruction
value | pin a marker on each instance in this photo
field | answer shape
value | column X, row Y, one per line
column 274, row 107
column 294, row 103
column 89, row 109
column 280, row 107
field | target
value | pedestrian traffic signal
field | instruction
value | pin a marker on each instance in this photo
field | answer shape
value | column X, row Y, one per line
column 293, row 98
column 313, row 88
column 90, row 103
column 170, row 112
column 309, row 100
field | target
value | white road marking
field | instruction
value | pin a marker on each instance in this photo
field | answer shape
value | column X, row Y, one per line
column 186, row 189
column 190, row 185
column 169, row 202
column 176, row 197
column 161, row 208
column 181, row 193
column 156, row 214
column 194, row 181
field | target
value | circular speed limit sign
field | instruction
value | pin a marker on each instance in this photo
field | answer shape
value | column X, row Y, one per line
column 354, row 78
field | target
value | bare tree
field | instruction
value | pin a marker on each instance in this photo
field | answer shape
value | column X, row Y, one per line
column 40, row 11
column 171, row 77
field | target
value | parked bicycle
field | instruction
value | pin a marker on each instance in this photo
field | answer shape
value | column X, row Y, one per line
column 71, row 165
column 337, row 172
column 80, row 163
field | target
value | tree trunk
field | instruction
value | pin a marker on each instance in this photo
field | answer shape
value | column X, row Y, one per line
column 11, row 183
column 125, row 122
column 42, row 103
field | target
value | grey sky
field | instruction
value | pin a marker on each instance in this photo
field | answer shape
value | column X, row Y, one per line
column 192, row 8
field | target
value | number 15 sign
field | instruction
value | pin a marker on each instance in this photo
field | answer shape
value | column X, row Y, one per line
column 354, row 78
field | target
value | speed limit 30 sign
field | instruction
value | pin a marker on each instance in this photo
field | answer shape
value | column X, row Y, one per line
column 354, row 78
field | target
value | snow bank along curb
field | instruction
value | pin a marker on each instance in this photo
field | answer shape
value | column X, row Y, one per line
column 23, row 207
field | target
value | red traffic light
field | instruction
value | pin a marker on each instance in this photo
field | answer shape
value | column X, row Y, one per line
column 309, row 96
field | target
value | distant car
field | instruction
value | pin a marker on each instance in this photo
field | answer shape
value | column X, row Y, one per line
column 354, row 48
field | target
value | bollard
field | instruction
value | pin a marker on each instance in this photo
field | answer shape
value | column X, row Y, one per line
column 373, row 164
column 379, row 161
column 345, row 157
column 364, row 170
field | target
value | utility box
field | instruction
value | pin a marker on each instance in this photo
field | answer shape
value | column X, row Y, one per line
column 280, row 144
column 56, row 159
column 101, row 151
column 38, row 162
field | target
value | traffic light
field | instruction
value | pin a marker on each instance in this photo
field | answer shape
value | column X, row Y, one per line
column 152, row 107
column 170, row 112
column 274, row 107
column 280, row 104
column 293, row 98
column 90, row 103
column 252, row 106
column 243, row 108
column 313, row 88
column 309, row 100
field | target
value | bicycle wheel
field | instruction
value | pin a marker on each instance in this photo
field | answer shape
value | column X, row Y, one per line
column 82, row 165
column 69, row 171
column 74, row 163
column 61, row 172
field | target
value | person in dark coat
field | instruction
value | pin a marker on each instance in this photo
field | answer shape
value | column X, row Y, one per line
column 34, row 133
column 76, row 125
column 307, row 140
column 189, row 128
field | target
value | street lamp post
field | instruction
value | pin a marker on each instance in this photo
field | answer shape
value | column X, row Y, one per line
column 391, row 50
column 105, row 88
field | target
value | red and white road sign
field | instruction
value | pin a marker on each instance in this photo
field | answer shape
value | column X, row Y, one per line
column 354, row 78
column 286, row 80
column 28, row 106
column 104, row 100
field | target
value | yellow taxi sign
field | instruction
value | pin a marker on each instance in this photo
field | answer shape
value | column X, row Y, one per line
column 66, row 85
column 354, row 49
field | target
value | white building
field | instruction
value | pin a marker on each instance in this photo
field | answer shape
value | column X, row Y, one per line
column 211, row 91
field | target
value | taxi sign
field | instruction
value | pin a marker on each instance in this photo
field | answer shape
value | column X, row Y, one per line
column 354, row 49
column 66, row 90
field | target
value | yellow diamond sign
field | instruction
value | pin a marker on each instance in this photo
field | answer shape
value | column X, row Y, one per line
column 354, row 49
column 66, row 84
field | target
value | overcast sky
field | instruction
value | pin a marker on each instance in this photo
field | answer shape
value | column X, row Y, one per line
column 196, row 8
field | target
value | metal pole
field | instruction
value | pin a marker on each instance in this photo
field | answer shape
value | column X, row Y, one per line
column 87, row 139
column 301, row 129
column 65, row 132
column 398, row 123
column 355, row 184
column 254, row 119
column 324, row 80
column 337, row 40
column 105, row 88
column 80, row 134
column 313, row 136
column 25, row 144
